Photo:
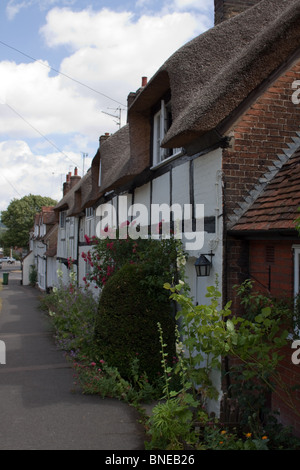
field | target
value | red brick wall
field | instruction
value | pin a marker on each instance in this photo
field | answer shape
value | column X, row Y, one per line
column 271, row 265
column 279, row 255
column 262, row 133
column 259, row 136
column 236, row 260
column 290, row 376
column 281, row 286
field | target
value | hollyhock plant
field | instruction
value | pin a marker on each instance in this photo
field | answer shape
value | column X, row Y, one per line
column 106, row 255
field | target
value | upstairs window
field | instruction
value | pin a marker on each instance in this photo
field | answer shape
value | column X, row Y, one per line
column 89, row 222
column 162, row 121
column 62, row 219
column 89, row 212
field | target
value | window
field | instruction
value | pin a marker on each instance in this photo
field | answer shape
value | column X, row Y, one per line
column 89, row 212
column 62, row 219
column 71, row 227
column 89, row 223
column 162, row 121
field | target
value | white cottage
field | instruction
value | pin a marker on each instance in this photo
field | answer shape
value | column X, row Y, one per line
column 139, row 180
column 42, row 254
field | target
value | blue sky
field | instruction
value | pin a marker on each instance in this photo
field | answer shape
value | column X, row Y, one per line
column 48, row 121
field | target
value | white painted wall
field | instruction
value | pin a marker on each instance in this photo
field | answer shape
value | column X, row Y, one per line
column 68, row 239
column 26, row 263
column 161, row 189
column 52, row 280
column 180, row 186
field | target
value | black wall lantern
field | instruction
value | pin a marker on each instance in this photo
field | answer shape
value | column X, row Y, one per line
column 203, row 265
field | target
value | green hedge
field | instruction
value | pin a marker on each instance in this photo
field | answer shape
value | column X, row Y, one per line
column 126, row 324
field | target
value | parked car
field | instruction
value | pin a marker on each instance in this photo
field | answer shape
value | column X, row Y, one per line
column 8, row 260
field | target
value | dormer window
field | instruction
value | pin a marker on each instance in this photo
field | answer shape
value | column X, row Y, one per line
column 162, row 121
column 89, row 212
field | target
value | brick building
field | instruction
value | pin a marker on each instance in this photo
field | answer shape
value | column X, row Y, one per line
column 261, row 191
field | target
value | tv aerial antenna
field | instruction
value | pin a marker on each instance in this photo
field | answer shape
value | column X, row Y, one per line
column 117, row 116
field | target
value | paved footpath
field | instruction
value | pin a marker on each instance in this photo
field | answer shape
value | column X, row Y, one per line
column 38, row 408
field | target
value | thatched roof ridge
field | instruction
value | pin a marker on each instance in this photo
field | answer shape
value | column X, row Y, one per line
column 210, row 76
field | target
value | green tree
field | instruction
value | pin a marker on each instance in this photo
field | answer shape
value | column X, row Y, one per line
column 19, row 219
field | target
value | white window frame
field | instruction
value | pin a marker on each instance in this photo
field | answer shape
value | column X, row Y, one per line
column 62, row 219
column 160, row 128
column 71, row 226
column 89, row 212
column 89, row 221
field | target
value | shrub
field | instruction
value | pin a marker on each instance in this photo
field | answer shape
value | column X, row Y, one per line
column 33, row 275
column 72, row 311
column 126, row 325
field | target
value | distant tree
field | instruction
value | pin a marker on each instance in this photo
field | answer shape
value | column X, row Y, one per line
column 19, row 219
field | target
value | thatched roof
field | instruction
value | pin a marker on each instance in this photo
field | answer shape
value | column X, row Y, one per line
column 211, row 75
column 208, row 78
column 118, row 167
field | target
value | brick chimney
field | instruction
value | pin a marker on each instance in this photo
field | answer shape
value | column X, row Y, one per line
column 71, row 180
column 67, row 184
column 225, row 9
column 132, row 95
column 75, row 178
column 103, row 138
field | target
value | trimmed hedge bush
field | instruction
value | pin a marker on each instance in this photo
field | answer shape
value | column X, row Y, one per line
column 126, row 324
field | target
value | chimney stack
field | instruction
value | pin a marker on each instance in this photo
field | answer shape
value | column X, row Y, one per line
column 74, row 179
column 66, row 185
column 130, row 99
column 132, row 95
column 225, row 9
column 70, row 181
column 103, row 138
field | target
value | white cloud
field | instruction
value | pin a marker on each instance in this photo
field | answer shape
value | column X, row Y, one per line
column 201, row 5
column 112, row 50
column 24, row 172
column 15, row 6
column 108, row 51
column 13, row 9
column 45, row 103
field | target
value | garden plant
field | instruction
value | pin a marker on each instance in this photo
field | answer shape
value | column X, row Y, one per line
column 191, row 342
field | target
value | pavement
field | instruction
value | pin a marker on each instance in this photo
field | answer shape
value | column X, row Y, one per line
column 39, row 409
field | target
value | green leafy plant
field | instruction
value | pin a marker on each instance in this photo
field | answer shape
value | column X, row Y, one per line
column 72, row 311
column 162, row 259
column 32, row 275
column 255, row 376
column 126, row 323
column 210, row 332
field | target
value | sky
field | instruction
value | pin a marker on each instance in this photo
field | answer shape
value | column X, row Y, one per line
column 66, row 68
